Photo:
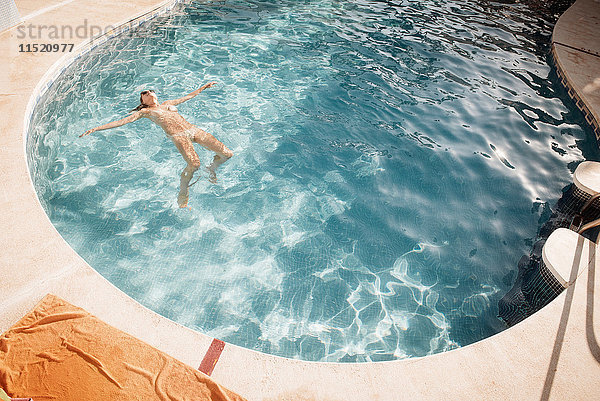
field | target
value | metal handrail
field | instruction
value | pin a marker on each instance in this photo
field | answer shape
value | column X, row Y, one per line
column 589, row 225
column 577, row 219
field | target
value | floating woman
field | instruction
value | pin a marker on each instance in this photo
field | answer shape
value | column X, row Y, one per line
column 181, row 132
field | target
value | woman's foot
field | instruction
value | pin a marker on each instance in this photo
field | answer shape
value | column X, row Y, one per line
column 182, row 199
column 212, row 175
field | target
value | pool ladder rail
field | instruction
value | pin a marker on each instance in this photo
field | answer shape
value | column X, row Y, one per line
column 577, row 221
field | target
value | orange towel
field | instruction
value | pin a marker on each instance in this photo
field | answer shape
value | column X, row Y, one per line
column 60, row 352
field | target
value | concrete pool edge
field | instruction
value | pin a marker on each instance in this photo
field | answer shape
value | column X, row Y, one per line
column 512, row 363
column 576, row 57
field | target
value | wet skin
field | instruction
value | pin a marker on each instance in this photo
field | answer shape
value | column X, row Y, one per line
column 166, row 116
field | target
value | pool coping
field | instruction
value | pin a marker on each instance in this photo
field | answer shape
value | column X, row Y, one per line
column 576, row 57
column 537, row 358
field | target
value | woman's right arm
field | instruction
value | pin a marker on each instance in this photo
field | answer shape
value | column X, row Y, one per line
column 129, row 119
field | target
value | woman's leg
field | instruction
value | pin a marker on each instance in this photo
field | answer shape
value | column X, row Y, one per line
column 184, row 192
column 223, row 153
column 186, row 148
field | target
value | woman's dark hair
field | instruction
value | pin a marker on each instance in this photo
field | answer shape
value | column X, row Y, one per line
column 141, row 105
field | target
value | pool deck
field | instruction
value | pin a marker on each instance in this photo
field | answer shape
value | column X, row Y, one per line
column 576, row 52
column 552, row 355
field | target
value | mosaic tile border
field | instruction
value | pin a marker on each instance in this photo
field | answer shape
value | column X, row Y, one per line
column 56, row 70
column 556, row 284
column 585, row 196
column 579, row 102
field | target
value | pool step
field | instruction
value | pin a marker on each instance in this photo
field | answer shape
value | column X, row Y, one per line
column 566, row 255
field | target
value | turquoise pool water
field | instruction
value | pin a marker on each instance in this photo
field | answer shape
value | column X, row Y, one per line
column 393, row 161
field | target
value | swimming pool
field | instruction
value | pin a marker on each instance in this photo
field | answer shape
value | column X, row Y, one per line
column 393, row 162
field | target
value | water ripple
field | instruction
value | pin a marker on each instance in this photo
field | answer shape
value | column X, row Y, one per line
column 387, row 157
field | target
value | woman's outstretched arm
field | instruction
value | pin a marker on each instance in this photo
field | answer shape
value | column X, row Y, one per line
column 189, row 96
column 129, row 119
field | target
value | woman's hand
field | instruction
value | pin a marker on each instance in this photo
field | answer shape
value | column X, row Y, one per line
column 208, row 85
column 88, row 132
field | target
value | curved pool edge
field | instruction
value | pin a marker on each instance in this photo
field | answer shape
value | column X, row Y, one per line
column 576, row 56
column 517, row 362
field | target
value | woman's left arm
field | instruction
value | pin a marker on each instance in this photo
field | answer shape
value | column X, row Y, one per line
column 129, row 119
column 189, row 96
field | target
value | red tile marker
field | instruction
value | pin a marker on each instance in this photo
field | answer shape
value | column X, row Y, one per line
column 212, row 356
